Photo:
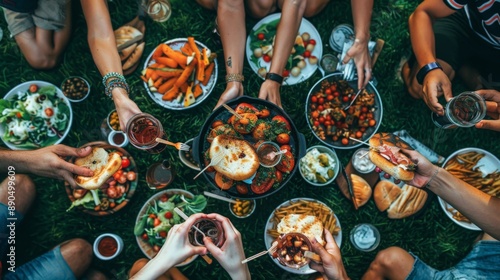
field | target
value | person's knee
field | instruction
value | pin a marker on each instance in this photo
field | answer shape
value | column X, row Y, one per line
column 22, row 188
column 260, row 8
column 78, row 255
column 44, row 62
column 312, row 8
column 388, row 259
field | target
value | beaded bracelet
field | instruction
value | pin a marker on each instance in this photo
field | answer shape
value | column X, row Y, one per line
column 114, row 84
column 112, row 75
column 235, row 78
column 432, row 177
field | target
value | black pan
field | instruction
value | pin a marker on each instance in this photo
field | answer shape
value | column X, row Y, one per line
column 200, row 145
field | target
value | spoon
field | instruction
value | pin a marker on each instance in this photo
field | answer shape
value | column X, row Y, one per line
column 274, row 154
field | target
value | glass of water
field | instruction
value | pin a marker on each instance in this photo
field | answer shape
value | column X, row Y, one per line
column 464, row 110
column 157, row 10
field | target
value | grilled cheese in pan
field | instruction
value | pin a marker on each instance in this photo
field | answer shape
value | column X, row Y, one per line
column 310, row 226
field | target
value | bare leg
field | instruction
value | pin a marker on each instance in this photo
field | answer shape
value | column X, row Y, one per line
column 24, row 192
column 391, row 263
column 409, row 76
column 43, row 48
column 78, row 255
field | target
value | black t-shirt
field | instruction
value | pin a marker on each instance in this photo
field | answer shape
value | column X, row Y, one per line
column 20, row 6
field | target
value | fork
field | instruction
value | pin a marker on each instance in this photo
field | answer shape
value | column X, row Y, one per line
column 214, row 161
column 179, row 145
column 352, row 101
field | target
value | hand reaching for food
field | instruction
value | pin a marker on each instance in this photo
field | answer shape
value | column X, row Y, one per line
column 331, row 266
column 361, row 55
column 270, row 91
column 492, row 98
column 425, row 170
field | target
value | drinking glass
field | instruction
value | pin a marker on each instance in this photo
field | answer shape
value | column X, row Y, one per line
column 158, row 10
column 464, row 110
column 142, row 131
column 160, row 175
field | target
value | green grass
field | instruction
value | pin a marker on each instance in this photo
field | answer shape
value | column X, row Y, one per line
column 432, row 236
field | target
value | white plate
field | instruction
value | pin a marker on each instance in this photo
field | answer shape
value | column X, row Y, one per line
column 23, row 88
column 176, row 44
column 488, row 164
column 305, row 26
column 268, row 239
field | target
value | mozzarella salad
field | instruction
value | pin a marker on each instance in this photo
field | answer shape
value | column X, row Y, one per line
column 317, row 167
column 34, row 118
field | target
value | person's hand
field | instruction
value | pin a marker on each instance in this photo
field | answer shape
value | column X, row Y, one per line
column 425, row 169
column 331, row 266
column 435, row 84
column 125, row 107
column 177, row 247
column 231, row 92
column 270, row 91
column 231, row 253
column 492, row 98
column 49, row 162
column 359, row 52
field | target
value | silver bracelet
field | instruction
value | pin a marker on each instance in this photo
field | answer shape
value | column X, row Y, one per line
column 432, row 177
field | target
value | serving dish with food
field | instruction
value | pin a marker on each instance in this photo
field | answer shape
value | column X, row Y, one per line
column 180, row 73
column 240, row 175
column 478, row 168
column 303, row 215
column 303, row 59
column 75, row 88
column 108, row 190
column 33, row 115
column 157, row 217
column 319, row 166
column 331, row 124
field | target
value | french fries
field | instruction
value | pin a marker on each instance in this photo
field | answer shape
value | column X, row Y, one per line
column 463, row 167
column 179, row 74
column 319, row 210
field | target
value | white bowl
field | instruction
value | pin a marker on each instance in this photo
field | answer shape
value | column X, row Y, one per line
column 111, row 140
column 186, row 161
column 86, row 94
column 336, row 169
column 23, row 88
column 119, row 248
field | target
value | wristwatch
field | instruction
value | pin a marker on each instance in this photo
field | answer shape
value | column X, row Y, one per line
column 274, row 77
column 426, row 69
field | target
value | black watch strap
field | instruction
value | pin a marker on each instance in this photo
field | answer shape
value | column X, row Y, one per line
column 426, row 69
column 274, row 77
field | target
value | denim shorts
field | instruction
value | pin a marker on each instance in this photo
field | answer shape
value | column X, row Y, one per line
column 481, row 263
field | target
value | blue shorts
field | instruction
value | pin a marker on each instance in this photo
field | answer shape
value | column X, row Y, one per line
column 481, row 263
column 50, row 265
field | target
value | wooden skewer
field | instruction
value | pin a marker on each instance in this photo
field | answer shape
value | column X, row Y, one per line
column 232, row 111
column 220, row 197
column 354, row 139
column 271, row 250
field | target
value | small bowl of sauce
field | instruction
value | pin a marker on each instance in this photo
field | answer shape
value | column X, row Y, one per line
column 107, row 246
column 362, row 162
column 118, row 138
column 365, row 237
column 266, row 155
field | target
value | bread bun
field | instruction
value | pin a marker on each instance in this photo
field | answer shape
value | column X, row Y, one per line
column 102, row 163
column 240, row 160
column 126, row 52
column 361, row 190
column 385, row 193
column 396, row 170
column 134, row 57
column 126, row 36
column 308, row 225
column 399, row 202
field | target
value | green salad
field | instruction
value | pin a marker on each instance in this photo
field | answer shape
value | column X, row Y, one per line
column 34, row 118
column 160, row 217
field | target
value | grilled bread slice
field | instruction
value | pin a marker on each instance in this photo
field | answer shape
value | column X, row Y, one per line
column 240, row 161
column 308, row 225
column 102, row 163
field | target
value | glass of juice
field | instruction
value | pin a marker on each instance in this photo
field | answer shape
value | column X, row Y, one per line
column 142, row 130
column 464, row 110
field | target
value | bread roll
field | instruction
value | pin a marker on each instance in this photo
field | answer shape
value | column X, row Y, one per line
column 126, row 36
column 385, row 193
column 126, row 52
column 308, row 225
column 102, row 163
column 394, row 169
column 134, row 57
column 240, row 161
column 407, row 204
column 361, row 190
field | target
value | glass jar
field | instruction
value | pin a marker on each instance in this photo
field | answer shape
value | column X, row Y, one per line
column 142, row 131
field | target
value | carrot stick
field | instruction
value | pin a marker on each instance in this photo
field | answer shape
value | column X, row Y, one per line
column 168, row 62
column 149, row 72
column 158, row 51
column 208, row 73
column 158, row 82
column 197, row 90
column 201, row 66
column 177, row 56
column 154, row 76
column 168, row 84
column 186, row 49
column 169, row 74
column 185, row 74
column 144, row 79
column 171, row 93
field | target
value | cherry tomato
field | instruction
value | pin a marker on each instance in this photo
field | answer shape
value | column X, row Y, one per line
column 169, row 215
column 327, row 123
column 19, row 115
column 336, row 94
column 330, row 97
column 321, row 108
column 286, row 73
column 345, row 141
column 362, row 129
column 306, row 54
column 362, row 117
column 287, row 162
column 312, row 42
column 306, row 42
column 33, row 88
column 261, row 36
column 118, row 174
column 333, row 87
column 359, row 134
column 156, row 222
column 163, row 198
column 345, row 99
column 321, row 101
column 316, row 124
column 266, row 58
column 145, row 237
column 328, row 91
column 279, row 176
column 372, row 122
column 163, row 234
column 335, row 138
column 286, row 147
column 49, row 112
column 328, row 117
column 282, row 120
column 112, row 204
column 364, row 109
column 315, row 114
column 283, row 138
column 125, row 162
column 152, row 216
column 321, row 120
column 314, row 99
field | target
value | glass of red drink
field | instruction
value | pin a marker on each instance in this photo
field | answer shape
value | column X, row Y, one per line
column 211, row 228
column 142, row 130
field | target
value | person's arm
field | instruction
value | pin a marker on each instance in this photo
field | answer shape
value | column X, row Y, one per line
column 479, row 207
column 361, row 14
column 331, row 266
column 492, row 107
column 47, row 162
column 436, row 82
column 176, row 249
column 102, row 45
column 231, row 253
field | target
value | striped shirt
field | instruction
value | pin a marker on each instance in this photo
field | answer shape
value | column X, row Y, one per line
column 483, row 17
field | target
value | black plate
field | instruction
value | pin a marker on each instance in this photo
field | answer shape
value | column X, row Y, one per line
column 200, row 144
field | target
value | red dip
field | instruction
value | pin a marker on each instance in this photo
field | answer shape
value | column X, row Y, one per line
column 107, row 246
